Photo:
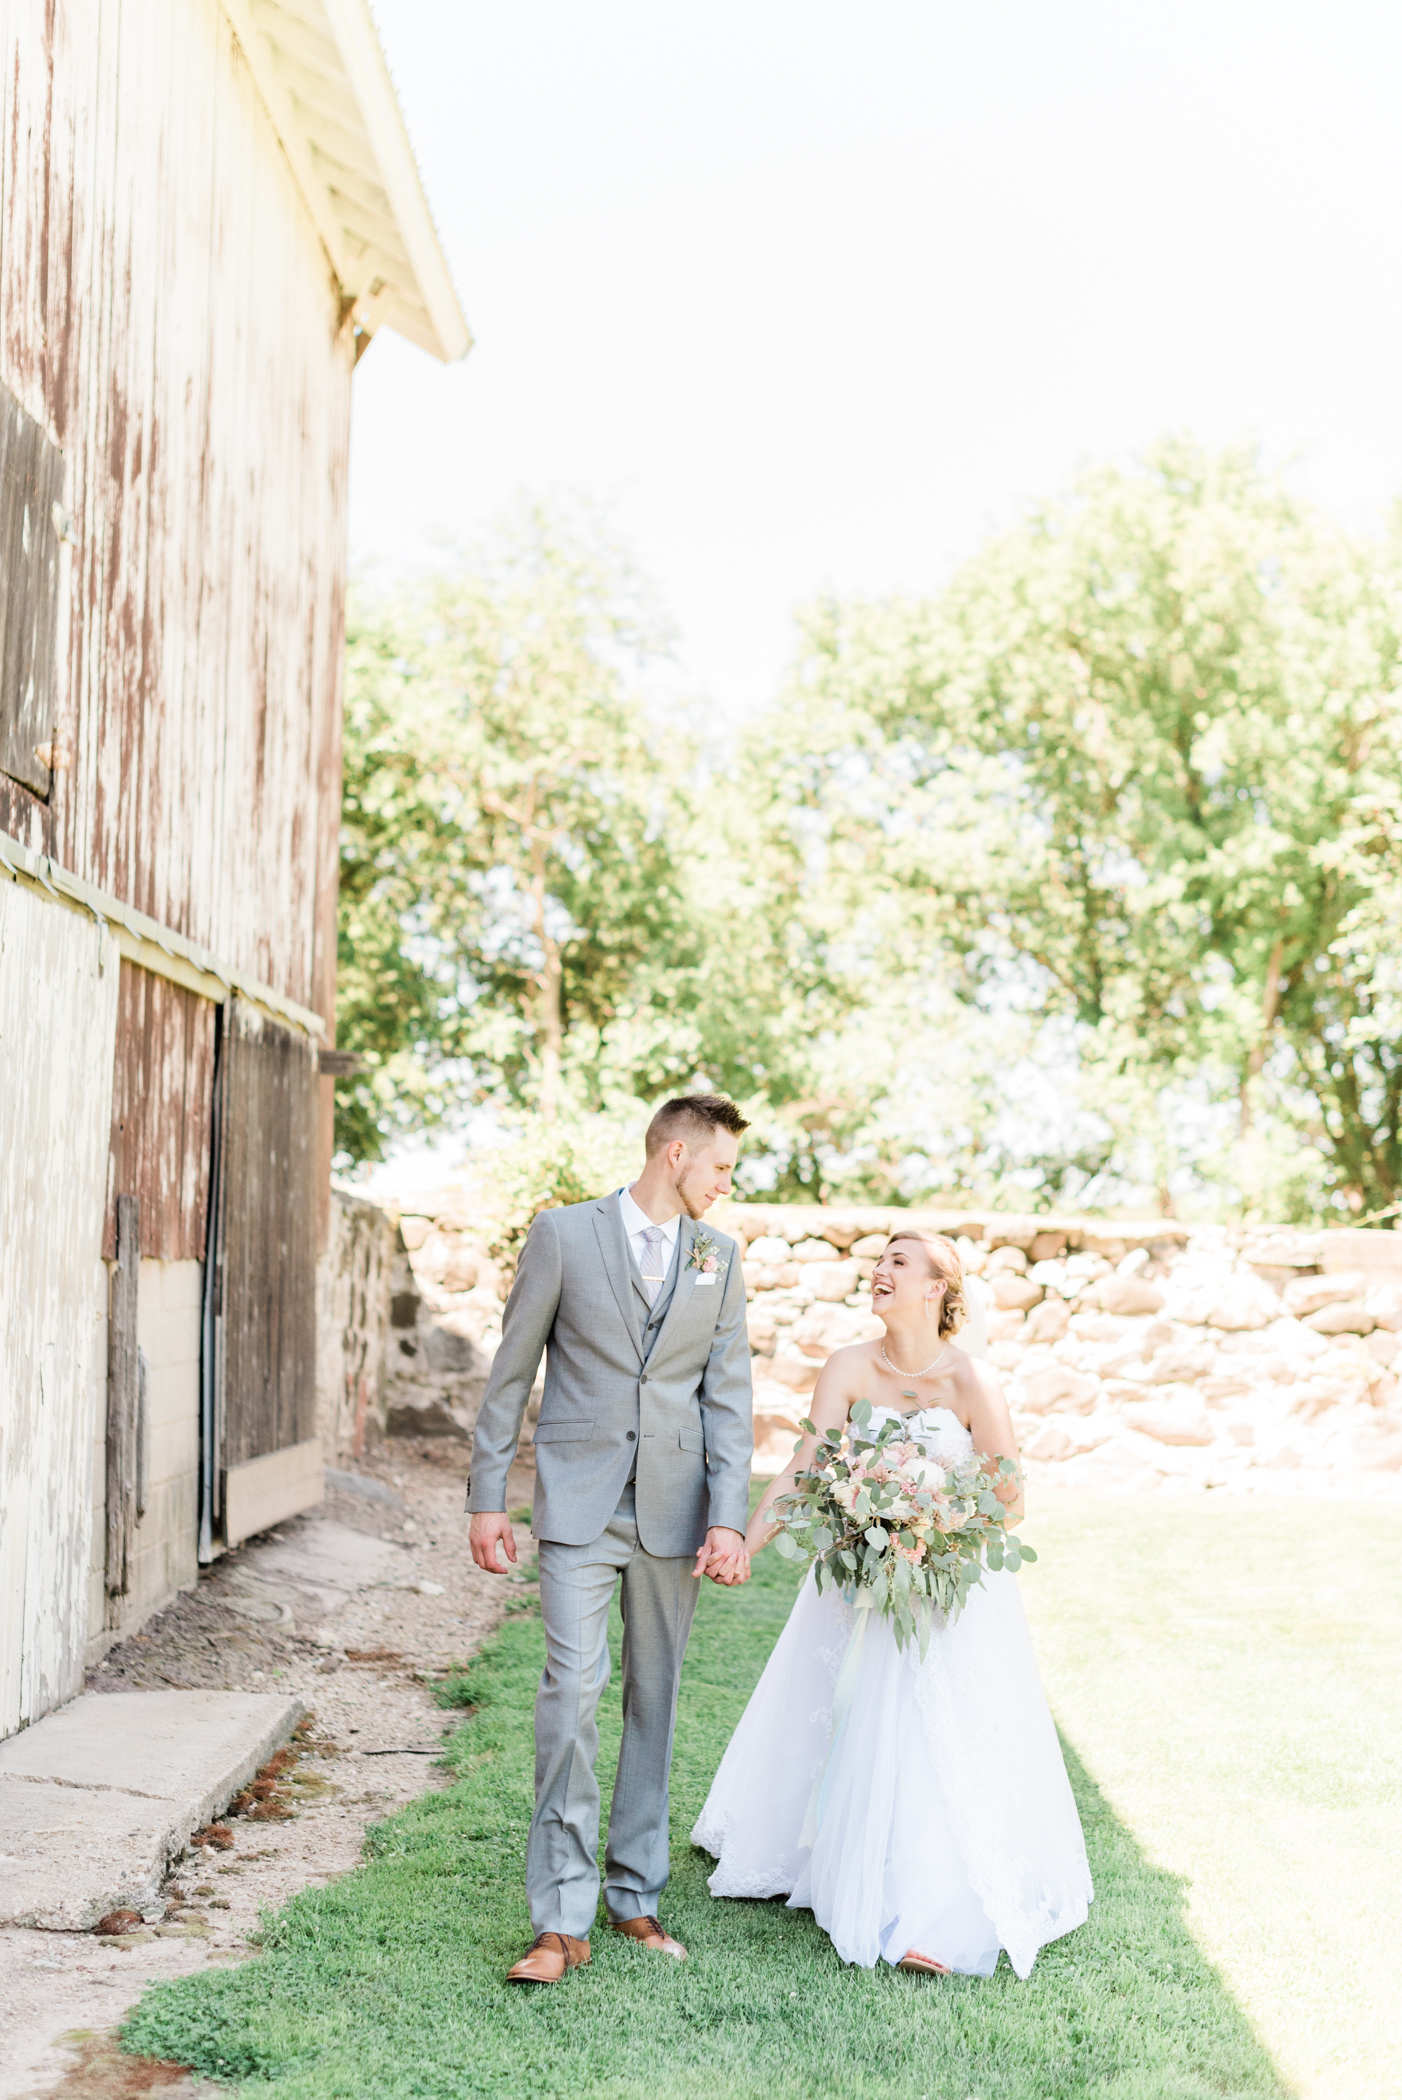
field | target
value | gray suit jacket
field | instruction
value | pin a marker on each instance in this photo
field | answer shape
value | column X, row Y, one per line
column 681, row 1407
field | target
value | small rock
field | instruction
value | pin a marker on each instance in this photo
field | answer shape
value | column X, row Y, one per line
column 1049, row 1321
column 832, row 1281
column 1244, row 1305
column 798, row 1373
column 814, row 1250
column 1006, row 1261
column 1172, row 1425
column 870, row 1248
column 1127, row 1294
column 1060, row 1387
column 118, row 1921
column 1341, row 1319
column 769, row 1251
column 1308, row 1293
column 1012, row 1293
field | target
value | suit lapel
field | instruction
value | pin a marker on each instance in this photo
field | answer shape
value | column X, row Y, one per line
column 608, row 1227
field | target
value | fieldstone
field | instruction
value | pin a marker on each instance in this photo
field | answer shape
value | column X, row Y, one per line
column 1127, row 1294
column 767, row 1249
column 870, row 1247
column 1059, row 1387
column 1383, row 1345
column 1378, row 1451
column 415, row 1412
column 1013, row 1293
column 1243, row 1305
column 832, row 1281
column 1171, row 1366
column 1007, row 1326
column 1049, row 1321
column 826, row 1327
column 798, row 1373
column 1005, row 1259
column 1046, row 1246
column 761, row 1324
column 1341, row 1319
column 814, row 1250
column 1307, row 1294
column 1049, row 1442
column 1172, row 1424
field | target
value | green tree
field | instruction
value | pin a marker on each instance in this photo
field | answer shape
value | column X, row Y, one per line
column 1130, row 768
column 512, row 920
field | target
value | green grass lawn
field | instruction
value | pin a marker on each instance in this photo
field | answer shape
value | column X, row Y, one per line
column 1205, row 1711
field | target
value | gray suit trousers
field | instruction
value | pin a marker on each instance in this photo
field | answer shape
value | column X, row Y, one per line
column 658, row 1601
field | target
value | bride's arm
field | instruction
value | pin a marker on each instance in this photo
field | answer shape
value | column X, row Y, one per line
column 991, row 1425
column 832, row 1397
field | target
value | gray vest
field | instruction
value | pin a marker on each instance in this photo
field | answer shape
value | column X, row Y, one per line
column 652, row 1316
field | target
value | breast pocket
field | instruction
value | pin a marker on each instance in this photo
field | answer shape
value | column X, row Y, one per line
column 693, row 1440
column 562, row 1432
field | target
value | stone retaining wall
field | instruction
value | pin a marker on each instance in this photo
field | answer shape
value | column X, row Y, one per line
column 1134, row 1355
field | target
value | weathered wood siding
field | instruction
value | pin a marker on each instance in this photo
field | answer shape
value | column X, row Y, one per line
column 162, row 1103
column 168, row 314
column 58, row 1011
column 265, row 1280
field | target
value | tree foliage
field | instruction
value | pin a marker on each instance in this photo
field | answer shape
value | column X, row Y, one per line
column 1082, row 872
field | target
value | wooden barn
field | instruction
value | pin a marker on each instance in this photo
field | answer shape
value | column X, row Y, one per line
column 207, row 207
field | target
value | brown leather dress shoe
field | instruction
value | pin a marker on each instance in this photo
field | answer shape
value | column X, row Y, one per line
column 552, row 1955
column 648, row 1933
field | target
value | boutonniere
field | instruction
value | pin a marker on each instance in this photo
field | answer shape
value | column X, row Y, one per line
column 703, row 1256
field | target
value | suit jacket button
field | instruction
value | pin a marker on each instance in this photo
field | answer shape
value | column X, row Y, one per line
column 632, row 1436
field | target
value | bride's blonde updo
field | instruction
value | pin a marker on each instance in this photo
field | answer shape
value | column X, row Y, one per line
column 944, row 1260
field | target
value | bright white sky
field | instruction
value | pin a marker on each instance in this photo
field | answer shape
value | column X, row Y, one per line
column 811, row 295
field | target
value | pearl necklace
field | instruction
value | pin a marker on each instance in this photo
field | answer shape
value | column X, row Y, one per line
column 897, row 1372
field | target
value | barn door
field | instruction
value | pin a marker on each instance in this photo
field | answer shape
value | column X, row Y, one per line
column 262, row 1459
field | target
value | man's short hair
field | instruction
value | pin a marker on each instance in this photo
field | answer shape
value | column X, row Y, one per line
column 693, row 1118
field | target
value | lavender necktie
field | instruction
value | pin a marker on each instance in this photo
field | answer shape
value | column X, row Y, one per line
column 654, row 1262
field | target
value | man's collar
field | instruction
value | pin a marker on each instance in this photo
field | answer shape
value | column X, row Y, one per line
column 635, row 1219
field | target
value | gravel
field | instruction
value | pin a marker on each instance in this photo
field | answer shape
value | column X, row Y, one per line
column 364, row 1668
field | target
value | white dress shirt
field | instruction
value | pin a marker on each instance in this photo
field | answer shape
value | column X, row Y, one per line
column 636, row 1222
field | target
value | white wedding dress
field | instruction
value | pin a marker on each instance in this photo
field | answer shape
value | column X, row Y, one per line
column 940, row 1816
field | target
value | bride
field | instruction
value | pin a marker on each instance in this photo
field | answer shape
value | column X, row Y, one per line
column 936, row 1824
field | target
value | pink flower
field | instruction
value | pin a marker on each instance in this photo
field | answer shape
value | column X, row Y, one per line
column 708, row 1266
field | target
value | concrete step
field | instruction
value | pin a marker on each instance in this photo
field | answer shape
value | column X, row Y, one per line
column 96, row 1799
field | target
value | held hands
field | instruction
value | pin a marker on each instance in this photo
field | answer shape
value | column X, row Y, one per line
column 488, row 1528
column 724, row 1557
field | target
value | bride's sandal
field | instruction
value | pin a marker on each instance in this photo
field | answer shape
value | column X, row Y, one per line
column 922, row 1964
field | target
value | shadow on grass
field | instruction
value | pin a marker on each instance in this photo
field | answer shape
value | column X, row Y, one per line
column 389, row 1983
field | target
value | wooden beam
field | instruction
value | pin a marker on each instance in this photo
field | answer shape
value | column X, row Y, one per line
column 123, row 1405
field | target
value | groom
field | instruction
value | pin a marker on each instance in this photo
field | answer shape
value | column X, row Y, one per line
column 643, row 1454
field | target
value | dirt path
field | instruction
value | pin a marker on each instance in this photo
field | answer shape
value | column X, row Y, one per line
column 265, row 1619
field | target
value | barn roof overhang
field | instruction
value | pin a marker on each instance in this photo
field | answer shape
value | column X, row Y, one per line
column 321, row 71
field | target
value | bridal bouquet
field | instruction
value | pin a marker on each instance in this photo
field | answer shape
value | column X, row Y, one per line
column 899, row 1532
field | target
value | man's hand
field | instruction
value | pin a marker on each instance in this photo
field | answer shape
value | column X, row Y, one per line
column 487, row 1528
column 723, row 1557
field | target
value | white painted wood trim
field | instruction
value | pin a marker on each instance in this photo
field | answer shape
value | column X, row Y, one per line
column 262, row 1491
column 358, row 42
column 146, row 942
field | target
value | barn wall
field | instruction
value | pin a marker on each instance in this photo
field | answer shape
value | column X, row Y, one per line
column 168, row 1331
column 58, row 1011
column 162, row 1106
column 168, row 314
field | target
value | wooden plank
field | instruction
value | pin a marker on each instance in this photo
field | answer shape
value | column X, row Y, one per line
column 266, row 1248
column 123, row 1403
column 263, row 1491
column 162, row 1105
column 58, row 1011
